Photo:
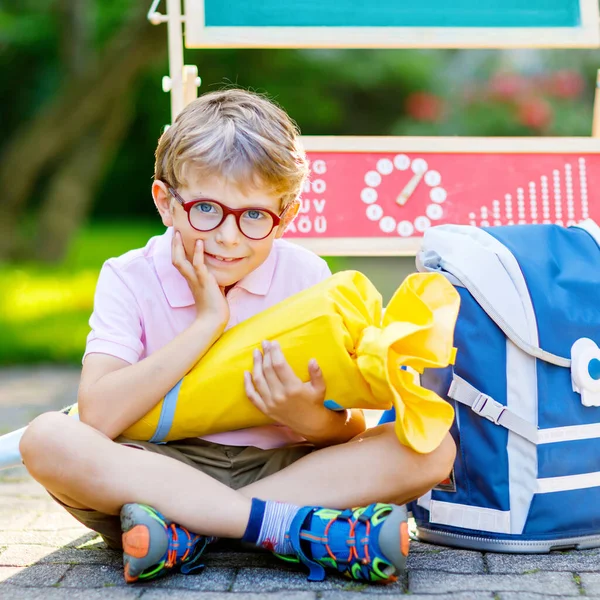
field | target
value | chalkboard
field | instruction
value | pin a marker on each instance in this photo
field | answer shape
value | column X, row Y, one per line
column 394, row 13
column 377, row 196
column 391, row 23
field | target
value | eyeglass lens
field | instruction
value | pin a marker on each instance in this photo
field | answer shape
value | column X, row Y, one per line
column 254, row 223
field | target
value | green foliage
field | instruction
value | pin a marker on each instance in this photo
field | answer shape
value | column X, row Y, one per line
column 44, row 311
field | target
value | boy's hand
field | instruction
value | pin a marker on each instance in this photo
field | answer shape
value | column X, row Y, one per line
column 208, row 296
column 275, row 390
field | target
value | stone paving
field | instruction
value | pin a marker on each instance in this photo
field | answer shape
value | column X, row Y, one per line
column 46, row 554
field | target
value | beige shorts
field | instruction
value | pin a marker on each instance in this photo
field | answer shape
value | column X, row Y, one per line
column 235, row 466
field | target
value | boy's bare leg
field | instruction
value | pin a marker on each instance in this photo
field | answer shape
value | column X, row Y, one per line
column 77, row 463
column 373, row 467
column 85, row 469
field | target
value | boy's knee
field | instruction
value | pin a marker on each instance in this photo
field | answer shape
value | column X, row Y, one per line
column 42, row 441
column 443, row 459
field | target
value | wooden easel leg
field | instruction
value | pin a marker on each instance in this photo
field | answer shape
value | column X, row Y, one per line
column 191, row 82
column 175, row 57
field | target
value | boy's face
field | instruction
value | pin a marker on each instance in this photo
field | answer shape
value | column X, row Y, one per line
column 226, row 241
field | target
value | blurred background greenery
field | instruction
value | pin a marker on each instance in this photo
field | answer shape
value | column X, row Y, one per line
column 82, row 110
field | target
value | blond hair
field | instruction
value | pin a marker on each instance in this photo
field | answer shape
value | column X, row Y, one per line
column 239, row 135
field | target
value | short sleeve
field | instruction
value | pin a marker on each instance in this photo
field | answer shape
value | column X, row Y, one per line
column 324, row 271
column 116, row 324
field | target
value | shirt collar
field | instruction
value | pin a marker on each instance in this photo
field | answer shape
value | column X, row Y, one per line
column 176, row 289
column 258, row 282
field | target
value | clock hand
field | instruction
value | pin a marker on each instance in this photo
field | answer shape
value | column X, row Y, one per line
column 409, row 188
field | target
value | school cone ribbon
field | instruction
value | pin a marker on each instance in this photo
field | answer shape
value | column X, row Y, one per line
column 361, row 353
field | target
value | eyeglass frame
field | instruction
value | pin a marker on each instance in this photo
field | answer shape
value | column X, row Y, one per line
column 187, row 205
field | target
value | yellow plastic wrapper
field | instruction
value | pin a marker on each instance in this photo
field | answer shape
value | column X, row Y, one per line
column 339, row 323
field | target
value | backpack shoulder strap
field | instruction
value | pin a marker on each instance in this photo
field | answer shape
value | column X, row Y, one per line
column 488, row 408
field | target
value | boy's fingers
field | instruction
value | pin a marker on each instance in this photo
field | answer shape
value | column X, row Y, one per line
column 183, row 265
column 176, row 248
column 316, row 376
column 275, row 385
column 281, row 367
column 198, row 259
column 253, row 396
column 258, row 377
column 186, row 269
column 178, row 257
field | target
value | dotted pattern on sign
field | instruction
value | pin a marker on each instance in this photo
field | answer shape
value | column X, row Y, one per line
column 374, row 212
column 496, row 212
column 521, row 206
column 533, row 209
column 483, row 216
column 530, row 212
column 385, row 166
column 438, row 195
column 508, row 209
column 557, row 197
column 569, row 187
column 434, row 212
column 387, row 223
column 545, row 200
column 372, row 178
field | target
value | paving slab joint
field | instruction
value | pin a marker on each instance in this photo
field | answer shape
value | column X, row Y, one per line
column 233, row 580
column 578, row 583
column 403, row 580
column 484, row 560
column 60, row 579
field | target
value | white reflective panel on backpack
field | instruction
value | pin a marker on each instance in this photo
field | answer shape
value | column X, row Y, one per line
column 470, row 517
column 591, row 227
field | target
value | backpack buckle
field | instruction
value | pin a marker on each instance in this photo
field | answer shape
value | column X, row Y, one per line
column 488, row 408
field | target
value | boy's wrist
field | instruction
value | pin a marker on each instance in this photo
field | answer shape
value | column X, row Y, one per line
column 325, row 426
column 208, row 321
column 207, row 330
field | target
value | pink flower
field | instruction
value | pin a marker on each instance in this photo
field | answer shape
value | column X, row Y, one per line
column 507, row 86
column 565, row 84
column 424, row 106
column 535, row 113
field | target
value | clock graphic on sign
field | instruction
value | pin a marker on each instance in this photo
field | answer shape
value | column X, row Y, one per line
column 403, row 195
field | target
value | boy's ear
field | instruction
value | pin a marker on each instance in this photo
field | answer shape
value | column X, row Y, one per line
column 162, row 201
column 288, row 216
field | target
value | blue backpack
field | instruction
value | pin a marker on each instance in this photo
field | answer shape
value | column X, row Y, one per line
column 525, row 388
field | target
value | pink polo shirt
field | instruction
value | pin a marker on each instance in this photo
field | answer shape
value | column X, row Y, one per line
column 142, row 302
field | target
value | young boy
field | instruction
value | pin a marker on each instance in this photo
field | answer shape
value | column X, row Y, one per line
column 228, row 175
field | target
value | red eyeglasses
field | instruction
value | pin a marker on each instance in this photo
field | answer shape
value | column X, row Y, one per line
column 206, row 215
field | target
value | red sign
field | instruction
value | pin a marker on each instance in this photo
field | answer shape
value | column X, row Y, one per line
column 400, row 195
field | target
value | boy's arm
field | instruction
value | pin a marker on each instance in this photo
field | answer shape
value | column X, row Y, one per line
column 114, row 394
column 336, row 427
